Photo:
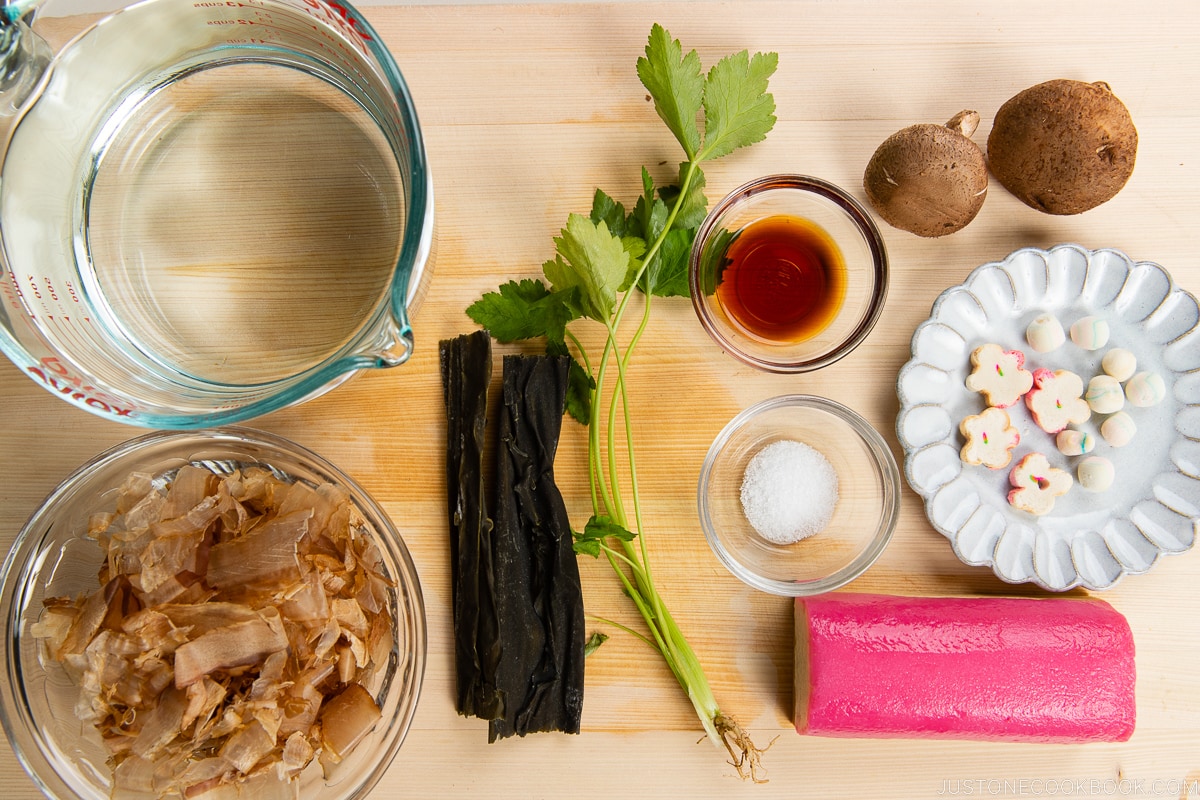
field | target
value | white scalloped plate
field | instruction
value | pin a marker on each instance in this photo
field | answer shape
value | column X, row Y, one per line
column 1089, row 539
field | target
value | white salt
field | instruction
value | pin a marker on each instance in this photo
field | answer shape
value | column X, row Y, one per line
column 788, row 491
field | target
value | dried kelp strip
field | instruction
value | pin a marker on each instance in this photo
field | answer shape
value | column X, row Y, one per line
column 517, row 600
column 539, row 597
column 466, row 363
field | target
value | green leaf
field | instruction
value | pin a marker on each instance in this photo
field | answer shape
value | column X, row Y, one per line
column 598, row 529
column 601, row 526
column 635, row 246
column 610, row 212
column 522, row 310
column 694, row 207
column 593, row 643
column 571, row 294
column 591, row 260
column 667, row 273
column 738, row 109
column 585, row 547
column 676, row 84
column 579, row 385
column 649, row 216
column 714, row 257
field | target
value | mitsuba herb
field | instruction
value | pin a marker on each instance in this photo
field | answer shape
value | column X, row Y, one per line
column 599, row 259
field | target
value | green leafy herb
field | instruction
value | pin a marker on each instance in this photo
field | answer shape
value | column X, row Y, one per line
column 599, row 259
column 580, row 385
column 737, row 108
column 610, row 212
column 676, row 84
column 522, row 310
column 597, row 531
column 593, row 643
column 667, row 275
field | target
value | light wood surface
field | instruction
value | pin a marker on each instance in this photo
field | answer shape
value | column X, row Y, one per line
column 527, row 109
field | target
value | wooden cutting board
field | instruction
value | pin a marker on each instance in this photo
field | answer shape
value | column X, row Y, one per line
column 526, row 109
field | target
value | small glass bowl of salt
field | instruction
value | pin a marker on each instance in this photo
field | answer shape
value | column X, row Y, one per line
column 798, row 495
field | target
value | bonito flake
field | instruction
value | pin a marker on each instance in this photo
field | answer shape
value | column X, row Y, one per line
column 237, row 627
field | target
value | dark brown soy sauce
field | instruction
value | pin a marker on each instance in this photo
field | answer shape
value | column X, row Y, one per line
column 783, row 279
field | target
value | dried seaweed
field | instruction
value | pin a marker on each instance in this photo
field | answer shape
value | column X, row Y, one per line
column 517, row 600
column 466, row 364
column 539, row 597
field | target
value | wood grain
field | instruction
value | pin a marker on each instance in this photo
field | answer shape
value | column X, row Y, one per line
column 526, row 109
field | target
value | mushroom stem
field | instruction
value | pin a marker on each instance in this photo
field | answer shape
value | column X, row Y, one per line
column 964, row 122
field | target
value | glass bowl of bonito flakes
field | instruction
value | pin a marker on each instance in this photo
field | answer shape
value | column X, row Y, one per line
column 212, row 614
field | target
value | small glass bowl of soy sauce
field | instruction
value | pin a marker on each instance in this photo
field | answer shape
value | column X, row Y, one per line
column 788, row 273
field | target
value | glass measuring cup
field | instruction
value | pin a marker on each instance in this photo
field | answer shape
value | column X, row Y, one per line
column 209, row 209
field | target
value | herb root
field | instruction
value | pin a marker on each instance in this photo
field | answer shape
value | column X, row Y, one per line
column 744, row 756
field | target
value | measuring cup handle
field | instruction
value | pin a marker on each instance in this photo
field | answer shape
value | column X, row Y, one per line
column 24, row 59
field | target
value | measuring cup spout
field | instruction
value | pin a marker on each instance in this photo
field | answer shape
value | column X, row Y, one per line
column 24, row 59
column 393, row 349
column 392, row 343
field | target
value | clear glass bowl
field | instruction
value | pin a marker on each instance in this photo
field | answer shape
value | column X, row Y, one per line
column 864, row 516
column 53, row 557
column 818, row 205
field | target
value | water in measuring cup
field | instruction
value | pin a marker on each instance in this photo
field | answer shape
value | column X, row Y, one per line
column 244, row 222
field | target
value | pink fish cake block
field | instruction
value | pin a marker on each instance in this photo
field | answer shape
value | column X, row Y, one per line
column 987, row 668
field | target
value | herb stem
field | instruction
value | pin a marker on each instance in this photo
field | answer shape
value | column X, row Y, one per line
column 593, row 466
column 610, row 430
column 669, row 640
column 626, row 629
column 596, row 467
column 633, row 484
column 612, row 501
column 634, row 566
column 583, row 356
column 684, row 187
column 648, row 616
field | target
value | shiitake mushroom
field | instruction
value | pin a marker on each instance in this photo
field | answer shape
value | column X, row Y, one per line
column 929, row 179
column 1063, row 146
